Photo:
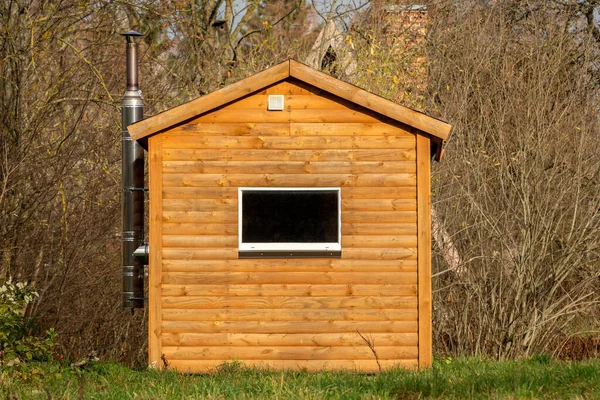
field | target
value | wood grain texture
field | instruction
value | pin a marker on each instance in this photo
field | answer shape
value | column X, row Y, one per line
column 329, row 303
column 227, row 253
column 400, row 192
column 288, row 180
column 292, row 101
column 358, row 228
column 201, row 229
column 379, row 241
column 424, row 255
column 290, row 87
column 255, row 115
column 265, row 154
column 382, row 217
column 201, row 217
column 344, row 128
column 209, row 205
column 289, row 353
column 269, row 315
column 179, row 141
column 245, row 128
column 155, row 262
column 379, row 205
column 201, row 193
column 279, row 290
column 362, row 366
column 232, row 278
column 200, row 205
column 282, row 339
column 200, row 241
column 289, row 167
column 290, row 265
column 365, row 327
column 285, row 128
column 347, row 229
column 190, row 253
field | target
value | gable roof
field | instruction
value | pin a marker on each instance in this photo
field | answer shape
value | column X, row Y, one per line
column 438, row 129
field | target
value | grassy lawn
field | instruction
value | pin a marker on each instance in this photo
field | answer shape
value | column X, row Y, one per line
column 466, row 378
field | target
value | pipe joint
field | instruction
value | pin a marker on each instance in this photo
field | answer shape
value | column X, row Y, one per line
column 142, row 253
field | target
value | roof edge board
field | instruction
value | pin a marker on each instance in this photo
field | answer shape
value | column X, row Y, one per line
column 290, row 68
column 370, row 101
column 193, row 108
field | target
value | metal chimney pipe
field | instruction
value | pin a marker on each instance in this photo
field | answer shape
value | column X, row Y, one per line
column 132, row 184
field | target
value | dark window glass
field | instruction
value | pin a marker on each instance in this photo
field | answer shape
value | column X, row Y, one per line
column 290, row 216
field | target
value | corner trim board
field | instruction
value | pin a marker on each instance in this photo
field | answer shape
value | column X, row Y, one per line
column 424, row 250
column 155, row 266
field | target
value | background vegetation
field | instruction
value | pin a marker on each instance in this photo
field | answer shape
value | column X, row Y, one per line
column 516, row 199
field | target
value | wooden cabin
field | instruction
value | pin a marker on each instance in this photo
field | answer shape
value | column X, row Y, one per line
column 290, row 227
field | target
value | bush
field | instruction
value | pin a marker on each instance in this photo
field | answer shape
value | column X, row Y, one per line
column 16, row 343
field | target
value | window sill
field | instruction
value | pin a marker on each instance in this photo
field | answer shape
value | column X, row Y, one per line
column 289, row 254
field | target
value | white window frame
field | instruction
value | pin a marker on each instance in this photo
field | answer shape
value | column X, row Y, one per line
column 292, row 246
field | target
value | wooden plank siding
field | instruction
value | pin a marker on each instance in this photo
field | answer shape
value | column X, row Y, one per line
column 297, row 313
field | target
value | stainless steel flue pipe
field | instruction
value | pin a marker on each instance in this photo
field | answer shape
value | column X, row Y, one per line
column 132, row 184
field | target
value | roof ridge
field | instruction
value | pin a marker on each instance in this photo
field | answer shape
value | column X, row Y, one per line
column 438, row 129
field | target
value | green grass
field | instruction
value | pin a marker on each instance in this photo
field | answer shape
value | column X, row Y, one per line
column 539, row 377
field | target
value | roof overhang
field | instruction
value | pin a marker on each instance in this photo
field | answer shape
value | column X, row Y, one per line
column 438, row 130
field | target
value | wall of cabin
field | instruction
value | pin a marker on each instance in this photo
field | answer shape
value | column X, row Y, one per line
column 207, row 306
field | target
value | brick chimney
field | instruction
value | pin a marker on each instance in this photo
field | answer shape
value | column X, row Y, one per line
column 406, row 27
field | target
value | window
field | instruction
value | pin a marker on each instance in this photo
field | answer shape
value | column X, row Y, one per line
column 289, row 222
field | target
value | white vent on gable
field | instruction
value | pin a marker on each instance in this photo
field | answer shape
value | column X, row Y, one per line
column 275, row 102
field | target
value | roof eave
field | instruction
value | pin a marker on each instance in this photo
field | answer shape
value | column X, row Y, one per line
column 141, row 130
column 373, row 102
column 191, row 109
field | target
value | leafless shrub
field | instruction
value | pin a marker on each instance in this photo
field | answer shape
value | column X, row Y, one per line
column 520, row 186
column 60, row 170
column 516, row 197
column 61, row 80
